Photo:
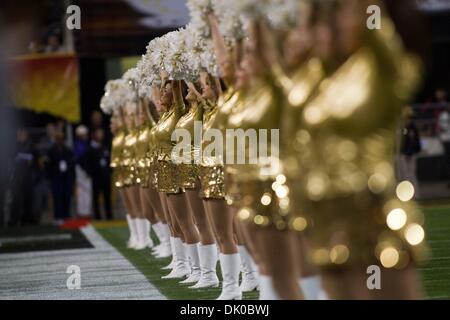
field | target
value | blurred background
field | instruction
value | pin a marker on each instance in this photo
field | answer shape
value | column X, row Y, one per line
column 54, row 157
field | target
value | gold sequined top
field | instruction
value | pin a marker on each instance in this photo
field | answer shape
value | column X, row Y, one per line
column 215, row 117
column 342, row 175
column 143, row 153
column 116, row 156
column 163, row 131
column 191, row 123
column 255, row 117
column 129, row 160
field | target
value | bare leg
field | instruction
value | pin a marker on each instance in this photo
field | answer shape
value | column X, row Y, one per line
column 279, row 255
column 135, row 201
column 127, row 202
column 146, row 206
column 251, row 241
column 221, row 219
column 155, row 202
column 305, row 268
column 199, row 214
column 178, row 210
column 174, row 227
column 351, row 283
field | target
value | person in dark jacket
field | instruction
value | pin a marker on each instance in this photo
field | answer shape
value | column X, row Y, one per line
column 23, row 179
column 409, row 149
column 97, row 159
column 61, row 171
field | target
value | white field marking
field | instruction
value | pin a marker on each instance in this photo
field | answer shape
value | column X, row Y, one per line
column 40, row 238
column 105, row 274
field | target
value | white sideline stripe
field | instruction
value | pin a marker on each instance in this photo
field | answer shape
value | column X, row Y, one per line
column 45, row 237
column 105, row 274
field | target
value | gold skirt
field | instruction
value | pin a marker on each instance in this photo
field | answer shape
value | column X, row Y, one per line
column 143, row 176
column 117, row 177
column 363, row 229
column 188, row 176
column 260, row 204
column 129, row 176
column 211, row 182
column 166, row 177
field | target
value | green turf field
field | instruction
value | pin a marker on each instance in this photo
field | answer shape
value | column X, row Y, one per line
column 151, row 268
column 436, row 273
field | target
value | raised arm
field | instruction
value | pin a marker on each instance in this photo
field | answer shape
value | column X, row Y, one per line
column 178, row 101
column 224, row 56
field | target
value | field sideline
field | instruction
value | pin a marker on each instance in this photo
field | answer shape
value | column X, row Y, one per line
column 435, row 274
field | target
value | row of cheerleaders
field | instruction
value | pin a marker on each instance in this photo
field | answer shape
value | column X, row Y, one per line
column 323, row 217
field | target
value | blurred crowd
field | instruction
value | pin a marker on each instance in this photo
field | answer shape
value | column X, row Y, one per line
column 66, row 170
column 49, row 172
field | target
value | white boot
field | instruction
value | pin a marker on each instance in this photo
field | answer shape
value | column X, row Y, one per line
column 165, row 250
column 143, row 232
column 157, row 229
column 181, row 267
column 249, row 271
column 192, row 251
column 266, row 288
column 230, row 265
column 171, row 265
column 208, row 264
column 312, row 288
column 156, row 250
column 132, row 241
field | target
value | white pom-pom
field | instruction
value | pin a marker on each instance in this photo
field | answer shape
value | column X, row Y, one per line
column 282, row 14
column 230, row 20
column 199, row 10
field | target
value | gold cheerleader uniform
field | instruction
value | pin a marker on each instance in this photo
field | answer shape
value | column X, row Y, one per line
column 211, row 173
column 340, row 166
column 189, row 158
column 129, row 161
column 166, row 170
column 143, row 154
column 256, row 186
column 116, row 157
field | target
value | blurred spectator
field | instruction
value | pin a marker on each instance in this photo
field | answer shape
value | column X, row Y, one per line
column 98, row 122
column 23, row 179
column 98, row 165
column 410, row 147
column 83, row 181
column 61, row 166
column 35, row 47
column 48, row 139
column 440, row 96
column 440, row 106
column 53, row 44
column 444, row 135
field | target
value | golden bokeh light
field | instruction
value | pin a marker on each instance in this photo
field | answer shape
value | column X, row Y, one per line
column 244, row 213
column 405, row 191
column 339, row 254
column 299, row 224
column 266, row 199
column 396, row 219
column 414, row 234
column 389, row 257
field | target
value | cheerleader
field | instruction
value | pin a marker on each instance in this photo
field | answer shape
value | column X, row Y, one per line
column 188, row 180
column 167, row 181
column 132, row 179
column 219, row 213
column 341, row 160
column 110, row 104
column 150, row 201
